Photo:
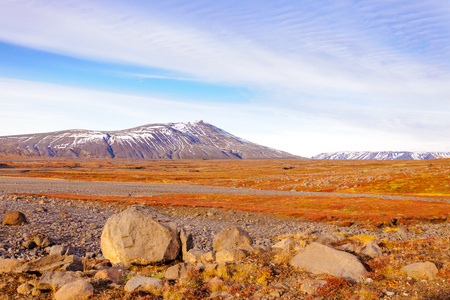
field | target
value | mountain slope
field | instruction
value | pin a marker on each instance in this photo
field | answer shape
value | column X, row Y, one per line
column 196, row 140
column 384, row 155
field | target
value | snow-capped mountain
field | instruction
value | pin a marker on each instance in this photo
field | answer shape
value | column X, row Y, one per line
column 384, row 155
column 196, row 140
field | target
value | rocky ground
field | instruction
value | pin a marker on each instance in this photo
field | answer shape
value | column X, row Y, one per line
column 79, row 224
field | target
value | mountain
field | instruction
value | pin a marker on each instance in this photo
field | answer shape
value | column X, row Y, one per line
column 384, row 155
column 196, row 140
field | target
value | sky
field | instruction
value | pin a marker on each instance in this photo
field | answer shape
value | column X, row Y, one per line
column 301, row 76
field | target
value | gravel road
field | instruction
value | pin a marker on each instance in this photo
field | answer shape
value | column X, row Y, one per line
column 37, row 185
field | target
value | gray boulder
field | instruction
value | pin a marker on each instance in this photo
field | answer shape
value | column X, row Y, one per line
column 140, row 235
column 232, row 238
column 318, row 259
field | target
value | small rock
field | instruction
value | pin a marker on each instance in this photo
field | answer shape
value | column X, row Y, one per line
column 348, row 247
column 61, row 250
column 287, row 244
column 232, row 238
column 15, row 218
column 422, row 270
column 177, row 272
column 141, row 283
column 208, row 257
column 114, row 275
column 8, row 265
column 55, row 279
column 328, row 239
column 390, row 294
column 78, row 290
column 371, row 249
column 229, row 255
column 24, row 288
column 193, row 256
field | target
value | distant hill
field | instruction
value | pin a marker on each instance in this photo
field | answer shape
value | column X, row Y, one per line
column 384, row 155
column 196, row 140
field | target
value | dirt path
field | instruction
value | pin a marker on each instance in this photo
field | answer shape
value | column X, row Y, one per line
column 37, row 185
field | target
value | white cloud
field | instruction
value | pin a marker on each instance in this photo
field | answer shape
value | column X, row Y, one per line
column 370, row 66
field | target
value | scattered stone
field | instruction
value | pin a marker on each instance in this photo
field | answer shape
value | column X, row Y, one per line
column 232, row 238
column 348, row 247
column 41, row 241
column 229, row 255
column 114, row 275
column 371, row 249
column 390, row 294
column 317, row 259
column 177, row 272
column 193, row 256
column 287, row 244
column 421, row 270
column 312, row 286
column 52, row 263
column 8, row 265
column 55, row 279
column 78, row 290
column 14, row 218
column 328, row 239
column 61, row 250
column 220, row 295
column 208, row 257
column 141, row 283
column 24, row 289
column 140, row 235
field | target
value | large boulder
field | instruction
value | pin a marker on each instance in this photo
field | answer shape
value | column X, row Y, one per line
column 14, row 218
column 140, row 235
column 317, row 259
column 232, row 238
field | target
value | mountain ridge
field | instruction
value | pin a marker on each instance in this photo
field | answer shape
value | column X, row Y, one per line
column 382, row 155
column 191, row 140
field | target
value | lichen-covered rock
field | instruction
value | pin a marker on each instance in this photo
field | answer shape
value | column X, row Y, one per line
column 140, row 235
column 422, row 270
column 232, row 238
column 52, row 263
column 317, row 259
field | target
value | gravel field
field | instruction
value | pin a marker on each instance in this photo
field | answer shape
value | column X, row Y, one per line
column 37, row 185
column 79, row 224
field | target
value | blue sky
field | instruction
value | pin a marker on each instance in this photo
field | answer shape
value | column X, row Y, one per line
column 301, row 76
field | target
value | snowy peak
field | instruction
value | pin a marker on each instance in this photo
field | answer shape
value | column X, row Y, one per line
column 384, row 155
column 172, row 140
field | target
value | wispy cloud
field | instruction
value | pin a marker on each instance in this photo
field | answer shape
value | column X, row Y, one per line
column 379, row 65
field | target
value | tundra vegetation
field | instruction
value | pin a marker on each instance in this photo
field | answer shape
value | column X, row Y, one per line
column 269, row 274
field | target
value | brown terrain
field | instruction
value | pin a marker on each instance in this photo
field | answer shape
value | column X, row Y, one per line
column 388, row 214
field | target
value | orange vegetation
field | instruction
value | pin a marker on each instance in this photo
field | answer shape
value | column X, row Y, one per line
column 307, row 207
column 412, row 178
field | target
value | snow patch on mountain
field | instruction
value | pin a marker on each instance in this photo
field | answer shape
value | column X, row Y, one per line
column 383, row 155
